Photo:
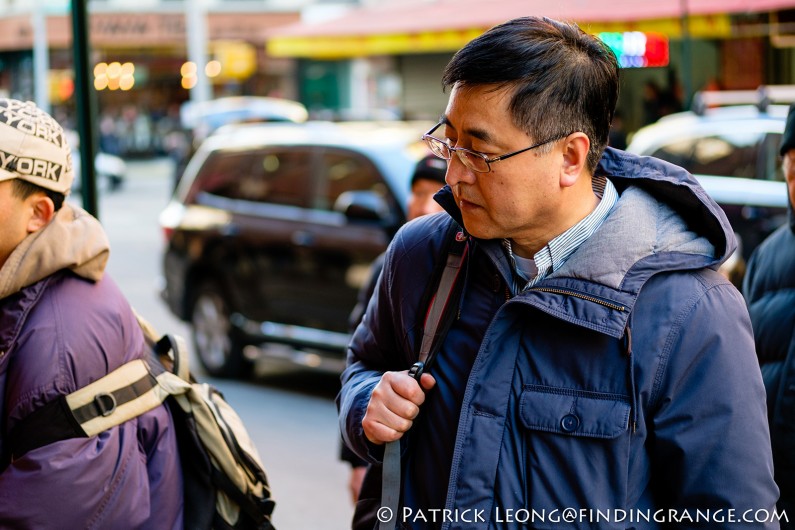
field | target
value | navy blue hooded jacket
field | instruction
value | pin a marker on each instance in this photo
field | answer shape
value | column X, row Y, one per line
column 769, row 289
column 625, row 380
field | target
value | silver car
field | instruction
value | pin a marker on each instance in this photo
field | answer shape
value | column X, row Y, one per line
column 733, row 152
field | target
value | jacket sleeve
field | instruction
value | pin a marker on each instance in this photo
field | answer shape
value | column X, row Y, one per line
column 710, row 441
column 371, row 353
column 385, row 339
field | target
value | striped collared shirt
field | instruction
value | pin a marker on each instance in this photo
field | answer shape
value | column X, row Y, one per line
column 555, row 253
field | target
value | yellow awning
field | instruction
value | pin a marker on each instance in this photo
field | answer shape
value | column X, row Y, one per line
column 330, row 47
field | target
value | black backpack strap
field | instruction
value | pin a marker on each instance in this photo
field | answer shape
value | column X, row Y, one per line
column 438, row 319
column 103, row 404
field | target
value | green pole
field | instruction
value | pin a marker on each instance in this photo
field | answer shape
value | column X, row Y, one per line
column 687, row 72
column 86, row 107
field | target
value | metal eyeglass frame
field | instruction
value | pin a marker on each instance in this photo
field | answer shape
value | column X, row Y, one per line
column 436, row 146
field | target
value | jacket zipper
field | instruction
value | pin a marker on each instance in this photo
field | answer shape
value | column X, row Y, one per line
column 581, row 296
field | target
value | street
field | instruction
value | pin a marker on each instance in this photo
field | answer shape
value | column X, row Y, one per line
column 290, row 414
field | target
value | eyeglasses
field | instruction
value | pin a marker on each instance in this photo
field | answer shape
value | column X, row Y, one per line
column 473, row 160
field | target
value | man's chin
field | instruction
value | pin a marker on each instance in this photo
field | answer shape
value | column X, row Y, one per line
column 479, row 229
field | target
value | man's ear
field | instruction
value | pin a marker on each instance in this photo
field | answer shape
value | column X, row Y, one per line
column 42, row 210
column 575, row 155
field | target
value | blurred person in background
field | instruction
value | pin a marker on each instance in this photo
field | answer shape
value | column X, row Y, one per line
column 426, row 180
column 64, row 324
column 769, row 290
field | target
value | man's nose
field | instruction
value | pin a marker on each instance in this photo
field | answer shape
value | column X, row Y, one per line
column 457, row 172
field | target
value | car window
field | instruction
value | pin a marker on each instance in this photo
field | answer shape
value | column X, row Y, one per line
column 733, row 154
column 280, row 176
column 348, row 171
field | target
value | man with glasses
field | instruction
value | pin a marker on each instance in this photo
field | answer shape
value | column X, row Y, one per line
column 598, row 371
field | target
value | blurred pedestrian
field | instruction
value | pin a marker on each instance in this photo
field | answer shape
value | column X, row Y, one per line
column 427, row 179
column 595, row 360
column 769, row 290
column 64, row 324
column 617, row 139
column 652, row 101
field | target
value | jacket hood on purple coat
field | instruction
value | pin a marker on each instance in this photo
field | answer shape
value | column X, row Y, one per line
column 73, row 240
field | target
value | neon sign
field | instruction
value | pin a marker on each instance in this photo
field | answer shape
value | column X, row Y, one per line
column 635, row 49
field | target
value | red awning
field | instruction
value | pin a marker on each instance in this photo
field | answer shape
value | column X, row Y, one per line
column 416, row 16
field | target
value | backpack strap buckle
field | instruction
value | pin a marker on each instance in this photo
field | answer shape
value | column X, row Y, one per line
column 105, row 403
column 416, row 370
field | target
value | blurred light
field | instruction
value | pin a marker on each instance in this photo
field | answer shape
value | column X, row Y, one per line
column 212, row 69
column 113, row 76
column 60, row 85
column 114, row 70
column 188, row 69
column 189, row 82
column 635, row 49
column 66, row 88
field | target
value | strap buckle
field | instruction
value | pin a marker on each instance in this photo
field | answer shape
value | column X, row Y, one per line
column 105, row 403
column 416, row 370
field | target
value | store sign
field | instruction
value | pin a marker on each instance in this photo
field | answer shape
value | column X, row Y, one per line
column 237, row 60
column 636, row 49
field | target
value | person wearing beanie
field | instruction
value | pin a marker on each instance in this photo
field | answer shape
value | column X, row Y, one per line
column 64, row 324
column 769, row 291
column 426, row 180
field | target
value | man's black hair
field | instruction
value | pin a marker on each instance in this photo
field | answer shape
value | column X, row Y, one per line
column 24, row 189
column 564, row 80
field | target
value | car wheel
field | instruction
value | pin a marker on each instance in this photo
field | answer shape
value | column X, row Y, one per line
column 219, row 352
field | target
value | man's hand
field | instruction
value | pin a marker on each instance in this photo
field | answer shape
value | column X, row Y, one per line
column 394, row 404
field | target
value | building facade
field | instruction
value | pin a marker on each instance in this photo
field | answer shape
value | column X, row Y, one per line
column 388, row 56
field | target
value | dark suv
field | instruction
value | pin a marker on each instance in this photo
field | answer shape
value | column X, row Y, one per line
column 271, row 234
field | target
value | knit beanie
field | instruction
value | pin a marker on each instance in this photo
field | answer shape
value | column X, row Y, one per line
column 430, row 168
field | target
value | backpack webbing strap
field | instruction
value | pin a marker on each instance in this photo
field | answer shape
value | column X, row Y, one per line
column 96, row 407
column 440, row 316
column 437, row 322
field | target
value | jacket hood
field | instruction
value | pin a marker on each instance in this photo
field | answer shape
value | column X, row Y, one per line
column 663, row 221
column 74, row 240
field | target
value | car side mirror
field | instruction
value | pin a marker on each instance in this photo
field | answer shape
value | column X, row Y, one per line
column 363, row 205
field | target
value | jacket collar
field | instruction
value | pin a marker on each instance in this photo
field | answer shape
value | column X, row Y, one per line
column 73, row 240
column 13, row 312
column 663, row 221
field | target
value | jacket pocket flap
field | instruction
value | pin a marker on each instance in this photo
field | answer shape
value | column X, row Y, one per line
column 574, row 412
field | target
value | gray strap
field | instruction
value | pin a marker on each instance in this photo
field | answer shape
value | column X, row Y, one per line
column 434, row 317
column 390, row 479
column 390, row 487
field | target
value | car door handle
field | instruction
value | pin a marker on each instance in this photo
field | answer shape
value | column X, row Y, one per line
column 302, row 238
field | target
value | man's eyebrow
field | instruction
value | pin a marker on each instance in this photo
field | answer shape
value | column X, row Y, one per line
column 480, row 134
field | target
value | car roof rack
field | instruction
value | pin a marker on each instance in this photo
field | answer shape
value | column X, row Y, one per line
column 762, row 97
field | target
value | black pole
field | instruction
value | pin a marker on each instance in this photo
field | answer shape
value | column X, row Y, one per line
column 86, row 108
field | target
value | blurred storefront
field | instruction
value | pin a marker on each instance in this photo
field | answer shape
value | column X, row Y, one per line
column 139, row 60
column 388, row 56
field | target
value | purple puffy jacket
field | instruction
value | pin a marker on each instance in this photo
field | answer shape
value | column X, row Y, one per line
column 57, row 336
